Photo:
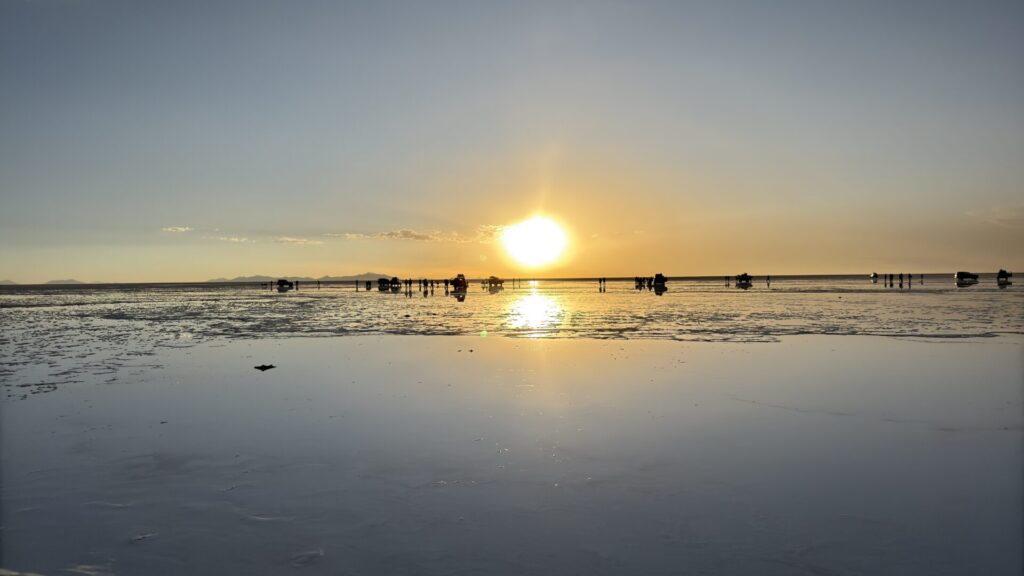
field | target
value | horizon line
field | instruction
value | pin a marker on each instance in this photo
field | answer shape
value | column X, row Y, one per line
column 74, row 282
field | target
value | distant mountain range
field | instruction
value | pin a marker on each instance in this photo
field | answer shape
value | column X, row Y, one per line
column 363, row 276
column 7, row 283
column 68, row 281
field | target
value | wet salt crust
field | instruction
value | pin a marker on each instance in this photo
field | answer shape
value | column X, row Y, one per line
column 409, row 455
column 55, row 336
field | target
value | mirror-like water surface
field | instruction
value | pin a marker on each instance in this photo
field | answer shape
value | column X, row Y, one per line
column 53, row 334
column 414, row 455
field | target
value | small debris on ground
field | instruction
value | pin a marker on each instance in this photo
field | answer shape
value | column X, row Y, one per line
column 264, row 367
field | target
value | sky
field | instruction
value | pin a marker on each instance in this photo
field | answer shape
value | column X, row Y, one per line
column 182, row 141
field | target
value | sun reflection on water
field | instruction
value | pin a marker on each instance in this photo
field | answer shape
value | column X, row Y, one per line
column 535, row 313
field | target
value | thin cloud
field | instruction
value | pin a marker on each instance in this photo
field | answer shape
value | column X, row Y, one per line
column 401, row 234
column 487, row 233
column 176, row 229
column 232, row 239
column 298, row 241
column 1001, row 216
column 407, row 234
column 483, row 234
column 348, row 235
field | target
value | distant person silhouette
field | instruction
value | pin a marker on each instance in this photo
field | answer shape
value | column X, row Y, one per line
column 768, row 280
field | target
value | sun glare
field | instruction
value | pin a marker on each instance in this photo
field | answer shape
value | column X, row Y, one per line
column 535, row 312
column 534, row 242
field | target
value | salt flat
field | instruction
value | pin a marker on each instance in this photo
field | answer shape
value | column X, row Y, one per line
column 468, row 454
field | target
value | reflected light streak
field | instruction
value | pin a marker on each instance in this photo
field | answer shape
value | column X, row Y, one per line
column 535, row 312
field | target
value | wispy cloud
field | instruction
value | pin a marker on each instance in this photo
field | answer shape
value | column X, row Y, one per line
column 176, row 229
column 402, row 234
column 486, row 233
column 232, row 239
column 407, row 234
column 1002, row 216
column 348, row 235
column 300, row 241
column 483, row 234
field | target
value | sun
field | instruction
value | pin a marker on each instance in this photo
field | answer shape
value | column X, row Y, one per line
column 534, row 242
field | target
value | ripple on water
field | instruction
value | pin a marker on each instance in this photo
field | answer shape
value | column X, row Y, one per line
column 54, row 337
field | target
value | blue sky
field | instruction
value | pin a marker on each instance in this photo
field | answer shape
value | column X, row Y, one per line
column 187, row 140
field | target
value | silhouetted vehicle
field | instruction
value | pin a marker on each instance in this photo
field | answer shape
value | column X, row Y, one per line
column 744, row 280
column 460, row 284
column 660, row 289
column 284, row 285
column 660, row 280
column 396, row 284
column 1003, row 278
column 383, row 284
column 964, row 279
column 874, row 277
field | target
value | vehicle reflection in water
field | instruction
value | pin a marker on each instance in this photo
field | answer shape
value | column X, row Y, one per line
column 535, row 314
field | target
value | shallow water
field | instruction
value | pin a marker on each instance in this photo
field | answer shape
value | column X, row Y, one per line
column 55, row 335
column 688, row 310
column 471, row 455
column 560, row 430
